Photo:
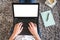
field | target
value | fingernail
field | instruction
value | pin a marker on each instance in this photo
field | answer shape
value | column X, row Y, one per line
column 30, row 22
column 28, row 27
column 20, row 23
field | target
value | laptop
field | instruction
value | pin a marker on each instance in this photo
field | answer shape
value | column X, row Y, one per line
column 25, row 12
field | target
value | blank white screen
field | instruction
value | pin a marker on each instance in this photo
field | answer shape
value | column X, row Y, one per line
column 25, row 10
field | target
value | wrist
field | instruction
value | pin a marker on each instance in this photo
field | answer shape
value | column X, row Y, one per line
column 36, row 34
column 14, row 35
column 37, row 37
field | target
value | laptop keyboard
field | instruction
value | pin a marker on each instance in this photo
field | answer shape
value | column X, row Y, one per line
column 25, row 21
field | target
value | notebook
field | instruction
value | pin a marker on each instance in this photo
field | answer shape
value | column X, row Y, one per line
column 48, row 18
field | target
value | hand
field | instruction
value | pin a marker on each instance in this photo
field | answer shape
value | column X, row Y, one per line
column 33, row 29
column 18, row 28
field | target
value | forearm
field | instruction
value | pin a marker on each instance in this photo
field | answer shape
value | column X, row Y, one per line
column 12, row 37
column 17, row 29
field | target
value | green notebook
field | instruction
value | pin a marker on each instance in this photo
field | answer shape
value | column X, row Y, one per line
column 48, row 19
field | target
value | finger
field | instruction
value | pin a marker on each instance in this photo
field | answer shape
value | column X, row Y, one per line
column 30, row 25
column 29, row 29
column 21, row 29
column 17, row 24
column 20, row 24
column 35, row 25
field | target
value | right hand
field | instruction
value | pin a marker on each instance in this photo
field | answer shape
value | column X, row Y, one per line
column 33, row 28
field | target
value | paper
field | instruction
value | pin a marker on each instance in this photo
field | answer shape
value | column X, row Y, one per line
column 50, row 4
column 24, row 37
column 48, row 19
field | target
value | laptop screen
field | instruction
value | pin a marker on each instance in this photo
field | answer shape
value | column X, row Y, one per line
column 25, row 10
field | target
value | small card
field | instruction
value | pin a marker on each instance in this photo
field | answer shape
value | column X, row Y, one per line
column 48, row 19
column 50, row 3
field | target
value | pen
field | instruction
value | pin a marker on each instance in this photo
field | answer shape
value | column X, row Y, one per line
column 47, row 17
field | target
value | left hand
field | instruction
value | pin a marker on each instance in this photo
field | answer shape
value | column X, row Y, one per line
column 18, row 28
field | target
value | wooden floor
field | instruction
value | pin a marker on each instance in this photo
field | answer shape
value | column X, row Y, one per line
column 6, row 20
